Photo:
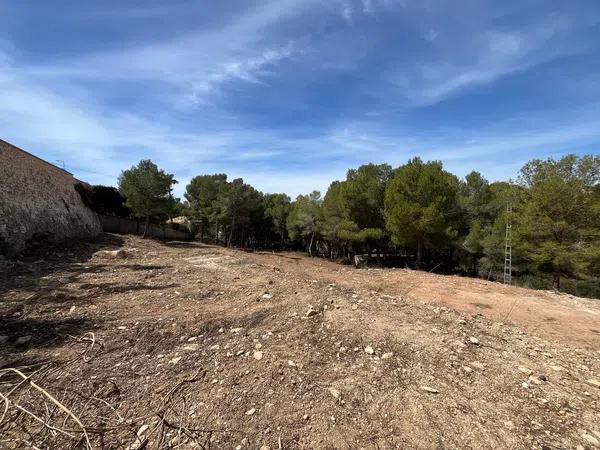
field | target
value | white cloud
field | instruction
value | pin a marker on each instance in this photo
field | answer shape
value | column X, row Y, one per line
column 486, row 57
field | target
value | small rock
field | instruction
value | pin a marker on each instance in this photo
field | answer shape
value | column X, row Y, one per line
column 354, row 307
column 429, row 389
column 265, row 447
column 175, row 360
column 258, row 355
column 525, row 385
column 335, row 392
column 535, row 380
column 387, row 355
column 23, row 339
column 369, row 350
column 251, row 411
column 593, row 382
column 477, row 365
column 311, row 312
column 473, row 340
column 590, row 439
column 236, row 330
column 527, row 371
column 267, row 296
column 191, row 347
column 291, row 363
column 467, row 369
column 557, row 368
column 547, row 355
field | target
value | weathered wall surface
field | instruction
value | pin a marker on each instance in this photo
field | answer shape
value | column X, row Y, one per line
column 120, row 225
column 38, row 201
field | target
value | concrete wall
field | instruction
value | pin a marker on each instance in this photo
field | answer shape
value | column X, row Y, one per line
column 113, row 224
column 38, row 201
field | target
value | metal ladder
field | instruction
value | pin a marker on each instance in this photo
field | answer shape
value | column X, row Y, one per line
column 508, row 247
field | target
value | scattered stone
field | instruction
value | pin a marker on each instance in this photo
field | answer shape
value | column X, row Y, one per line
column 23, row 339
column 191, row 347
column 590, row 439
column 387, row 355
column 267, row 296
column 311, row 312
column 369, row 350
column 429, row 389
column 477, row 365
column 305, row 416
column 467, row 369
column 547, row 355
column 192, row 339
column 333, row 391
column 527, row 371
column 354, row 307
column 594, row 382
column 265, row 447
column 236, row 330
column 557, row 368
column 525, row 385
column 258, row 355
column 251, row 411
column 291, row 363
column 175, row 360
column 535, row 380
column 473, row 340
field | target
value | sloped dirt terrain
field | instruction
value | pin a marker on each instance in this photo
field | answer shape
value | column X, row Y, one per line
column 130, row 343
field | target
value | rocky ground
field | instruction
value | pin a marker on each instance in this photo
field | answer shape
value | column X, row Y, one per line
column 130, row 343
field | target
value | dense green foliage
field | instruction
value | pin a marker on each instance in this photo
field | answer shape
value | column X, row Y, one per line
column 105, row 200
column 417, row 214
column 148, row 192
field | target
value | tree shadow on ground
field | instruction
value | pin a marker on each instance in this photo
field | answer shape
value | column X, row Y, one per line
column 32, row 289
column 20, row 334
column 33, row 268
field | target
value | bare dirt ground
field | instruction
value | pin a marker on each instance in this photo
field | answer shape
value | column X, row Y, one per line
column 189, row 346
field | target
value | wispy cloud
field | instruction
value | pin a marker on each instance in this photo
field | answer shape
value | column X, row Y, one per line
column 486, row 57
column 289, row 94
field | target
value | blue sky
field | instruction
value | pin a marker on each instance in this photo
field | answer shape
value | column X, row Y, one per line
column 289, row 94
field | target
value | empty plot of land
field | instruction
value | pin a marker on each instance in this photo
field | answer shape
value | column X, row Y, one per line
column 183, row 345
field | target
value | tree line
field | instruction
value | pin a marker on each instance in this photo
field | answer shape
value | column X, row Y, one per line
column 418, row 215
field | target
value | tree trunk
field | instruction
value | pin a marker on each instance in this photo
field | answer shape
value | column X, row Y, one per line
column 556, row 281
column 146, row 226
column 310, row 246
column 231, row 231
column 419, row 253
